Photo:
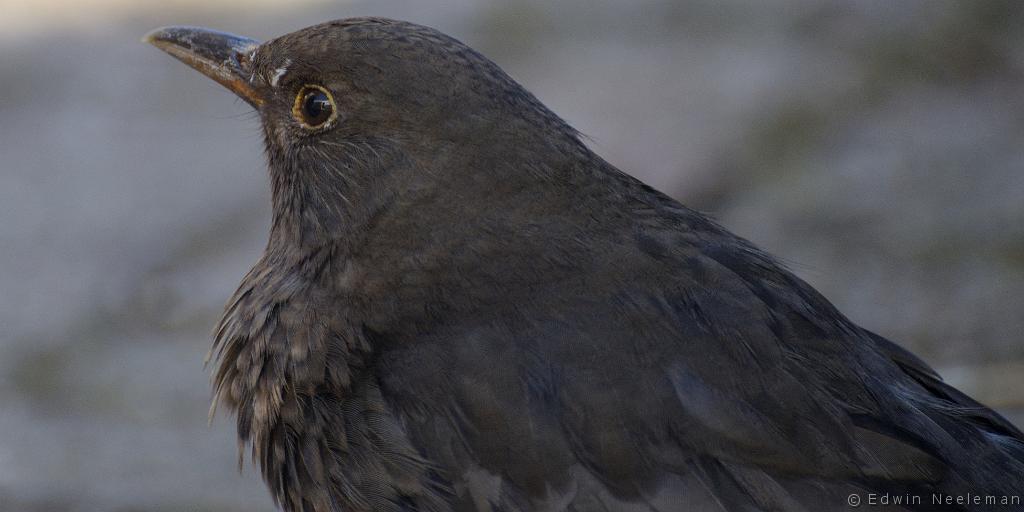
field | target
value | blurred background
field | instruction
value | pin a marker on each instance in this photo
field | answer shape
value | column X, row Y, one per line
column 875, row 146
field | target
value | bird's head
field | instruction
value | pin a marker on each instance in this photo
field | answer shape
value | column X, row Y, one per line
column 361, row 113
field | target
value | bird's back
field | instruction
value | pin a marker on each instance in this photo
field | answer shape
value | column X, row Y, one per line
column 650, row 360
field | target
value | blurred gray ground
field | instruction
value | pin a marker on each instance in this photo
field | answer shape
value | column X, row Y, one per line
column 873, row 145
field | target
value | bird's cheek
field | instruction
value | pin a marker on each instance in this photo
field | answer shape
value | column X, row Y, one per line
column 276, row 137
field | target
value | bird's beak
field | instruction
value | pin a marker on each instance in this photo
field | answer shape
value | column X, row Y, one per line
column 226, row 58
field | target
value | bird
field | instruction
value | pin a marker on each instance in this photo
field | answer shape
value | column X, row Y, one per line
column 462, row 307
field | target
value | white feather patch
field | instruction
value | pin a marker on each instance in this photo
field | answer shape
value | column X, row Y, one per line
column 279, row 72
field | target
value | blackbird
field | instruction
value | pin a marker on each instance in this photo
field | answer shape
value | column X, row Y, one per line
column 462, row 307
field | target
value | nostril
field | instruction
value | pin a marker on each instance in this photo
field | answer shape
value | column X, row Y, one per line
column 243, row 58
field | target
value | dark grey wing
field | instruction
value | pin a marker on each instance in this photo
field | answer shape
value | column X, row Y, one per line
column 953, row 398
column 696, row 374
column 892, row 404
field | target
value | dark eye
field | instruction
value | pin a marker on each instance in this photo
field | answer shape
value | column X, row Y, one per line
column 314, row 106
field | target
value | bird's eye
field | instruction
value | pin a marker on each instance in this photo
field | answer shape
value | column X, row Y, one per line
column 314, row 107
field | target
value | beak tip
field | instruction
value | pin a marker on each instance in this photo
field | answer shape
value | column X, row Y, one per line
column 161, row 37
column 181, row 36
column 152, row 36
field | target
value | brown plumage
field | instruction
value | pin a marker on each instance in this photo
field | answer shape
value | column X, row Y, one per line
column 462, row 307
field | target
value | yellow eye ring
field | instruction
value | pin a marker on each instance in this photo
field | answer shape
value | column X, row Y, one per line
column 314, row 107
